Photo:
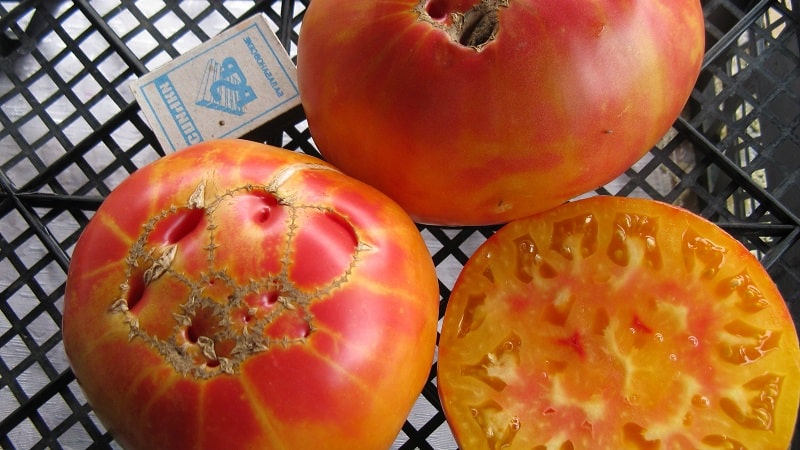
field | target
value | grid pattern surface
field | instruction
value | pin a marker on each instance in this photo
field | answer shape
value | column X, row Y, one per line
column 70, row 131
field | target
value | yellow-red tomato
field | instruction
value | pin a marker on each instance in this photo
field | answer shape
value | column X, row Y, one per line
column 613, row 323
column 237, row 296
column 483, row 111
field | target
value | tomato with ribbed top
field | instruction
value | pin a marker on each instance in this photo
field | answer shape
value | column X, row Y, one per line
column 234, row 295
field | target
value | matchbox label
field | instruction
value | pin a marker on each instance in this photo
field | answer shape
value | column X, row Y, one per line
column 176, row 108
column 265, row 69
column 224, row 88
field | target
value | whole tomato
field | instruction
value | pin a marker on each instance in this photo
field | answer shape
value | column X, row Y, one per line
column 617, row 323
column 482, row 111
column 237, row 296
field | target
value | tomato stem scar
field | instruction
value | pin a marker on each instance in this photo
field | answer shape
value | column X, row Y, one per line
column 474, row 28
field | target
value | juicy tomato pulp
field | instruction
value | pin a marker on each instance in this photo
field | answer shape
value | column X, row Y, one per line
column 613, row 323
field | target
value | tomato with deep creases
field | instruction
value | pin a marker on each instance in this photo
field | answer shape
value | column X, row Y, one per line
column 234, row 295
column 612, row 323
column 470, row 112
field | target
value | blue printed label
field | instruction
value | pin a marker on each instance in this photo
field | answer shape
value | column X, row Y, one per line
column 262, row 64
column 177, row 109
column 224, row 88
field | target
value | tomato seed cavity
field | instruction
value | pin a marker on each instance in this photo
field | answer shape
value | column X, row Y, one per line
column 635, row 435
column 473, row 28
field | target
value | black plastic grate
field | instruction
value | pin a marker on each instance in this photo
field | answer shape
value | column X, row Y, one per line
column 70, row 131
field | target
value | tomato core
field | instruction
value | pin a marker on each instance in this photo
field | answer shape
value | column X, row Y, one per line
column 473, row 28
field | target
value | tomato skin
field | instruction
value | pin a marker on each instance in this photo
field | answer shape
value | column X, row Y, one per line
column 316, row 292
column 564, row 99
column 612, row 323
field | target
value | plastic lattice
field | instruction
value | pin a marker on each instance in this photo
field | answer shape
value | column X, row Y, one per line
column 70, row 131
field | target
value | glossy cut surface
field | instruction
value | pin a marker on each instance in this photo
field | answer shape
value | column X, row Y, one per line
column 235, row 295
column 612, row 323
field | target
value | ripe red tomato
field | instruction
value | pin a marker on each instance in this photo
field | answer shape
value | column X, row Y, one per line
column 613, row 323
column 237, row 296
column 551, row 98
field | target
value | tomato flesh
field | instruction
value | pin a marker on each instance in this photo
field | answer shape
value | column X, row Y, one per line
column 617, row 323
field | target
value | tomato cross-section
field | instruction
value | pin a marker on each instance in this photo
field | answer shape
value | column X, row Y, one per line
column 612, row 323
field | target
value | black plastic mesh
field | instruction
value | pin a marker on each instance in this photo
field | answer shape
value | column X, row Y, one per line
column 70, row 131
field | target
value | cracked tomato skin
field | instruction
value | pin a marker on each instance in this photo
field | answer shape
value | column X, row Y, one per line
column 238, row 296
column 617, row 323
column 562, row 98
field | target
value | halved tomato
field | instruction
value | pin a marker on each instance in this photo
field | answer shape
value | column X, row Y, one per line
column 612, row 323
